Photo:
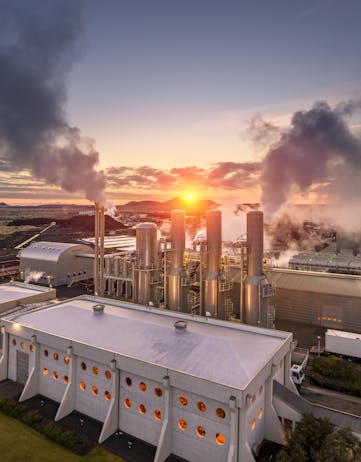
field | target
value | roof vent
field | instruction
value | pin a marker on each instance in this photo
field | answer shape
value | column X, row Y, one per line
column 180, row 325
column 99, row 308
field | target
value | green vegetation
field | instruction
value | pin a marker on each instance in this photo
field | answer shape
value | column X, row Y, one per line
column 337, row 373
column 18, row 442
column 318, row 440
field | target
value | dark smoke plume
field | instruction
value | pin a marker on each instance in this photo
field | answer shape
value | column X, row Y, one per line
column 38, row 43
column 318, row 149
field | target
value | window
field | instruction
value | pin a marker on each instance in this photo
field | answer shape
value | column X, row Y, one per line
column 183, row 400
column 142, row 409
column 253, row 400
column 55, row 375
column 14, row 342
column 220, row 413
column 157, row 414
column 260, row 414
column 45, row 371
column 220, row 439
column 201, row 406
column 107, row 395
column 128, row 381
column 182, row 424
column 95, row 370
column 127, row 403
column 83, row 366
column 22, row 345
column 56, row 356
column 94, row 390
column 82, row 386
column 260, row 391
column 66, row 379
column 253, row 424
column 108, row 374
column 200, row 431
column 46, row 353
column 158, row 391
column 31, row 348
column 142, row 386
column 66, row 359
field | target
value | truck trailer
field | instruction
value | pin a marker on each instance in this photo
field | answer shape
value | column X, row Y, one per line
column 343, row 343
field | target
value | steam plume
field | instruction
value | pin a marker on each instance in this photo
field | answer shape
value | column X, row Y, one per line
column 318, row 149
column 38, row 43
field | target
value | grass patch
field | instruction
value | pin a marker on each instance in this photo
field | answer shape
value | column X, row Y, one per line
column 19, row 442
column 337, row 373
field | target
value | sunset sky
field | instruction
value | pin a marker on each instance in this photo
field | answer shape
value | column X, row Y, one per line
column 168, row 90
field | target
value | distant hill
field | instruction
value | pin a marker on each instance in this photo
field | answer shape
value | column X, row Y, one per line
column 2, row 204
column 200, row 206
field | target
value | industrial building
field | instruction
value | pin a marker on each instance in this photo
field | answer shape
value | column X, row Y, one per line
column 196, row 387
column 323, row 299
column 14, row 294
column 56, row 263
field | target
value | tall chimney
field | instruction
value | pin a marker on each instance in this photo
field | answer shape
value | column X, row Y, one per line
column 255, row 259
column 178, row 223
column 214, row 247
column 146, row 262
column 99, row 250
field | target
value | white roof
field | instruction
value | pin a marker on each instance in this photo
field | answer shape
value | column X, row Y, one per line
column 18, row 291
column 217, row 351
column 51, row 251
column 344, row 334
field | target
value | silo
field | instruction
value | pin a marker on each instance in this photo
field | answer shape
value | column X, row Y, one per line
column 214, row 247
column 254, row 278
column 146, row 262
column 178, row 223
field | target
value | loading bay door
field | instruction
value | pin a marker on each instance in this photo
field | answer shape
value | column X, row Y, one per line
column 22, row 366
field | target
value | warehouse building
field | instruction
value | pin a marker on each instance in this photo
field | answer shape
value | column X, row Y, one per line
column 197, row 387
column 323, row 299
column 56, row 263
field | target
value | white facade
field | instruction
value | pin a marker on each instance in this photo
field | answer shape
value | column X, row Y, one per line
column 203, row 393
column 57, row 263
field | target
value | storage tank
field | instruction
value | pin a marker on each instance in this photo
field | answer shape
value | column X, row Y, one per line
column 253, row 312
column 214, row 247
column 178, row 227
column 146, row 262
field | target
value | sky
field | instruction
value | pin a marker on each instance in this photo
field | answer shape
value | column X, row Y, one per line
column 173, row 94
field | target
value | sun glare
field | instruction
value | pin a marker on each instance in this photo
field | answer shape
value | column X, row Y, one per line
column 189, row 196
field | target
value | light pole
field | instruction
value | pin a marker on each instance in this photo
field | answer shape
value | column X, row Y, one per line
column 318, row 345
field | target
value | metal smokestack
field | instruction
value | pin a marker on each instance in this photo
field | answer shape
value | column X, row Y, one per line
column 146, row 262
column 99, row 250
column 214, row 247
column 253, row 314
column 178, row 224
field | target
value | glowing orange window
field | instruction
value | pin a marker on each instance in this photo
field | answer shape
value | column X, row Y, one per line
column 127, row 403
column 14, row 342
column 56, row 356
column 107, row 395
column 66, row 379
column 182, row 424
column 200, row 431
column 260, row 414
column 45, row 371
column 95, row 370
column 253, row 424
column 82, row 386
column 220, row 413
column 142, row 409
column 94, row 390
column 260, row 391
column 157, row 414
column 220, row 439
column 201, row 406
column 31, row 348
column 143, row 386
column 158, row 391
column 22, row 345
column 253, row 400
column 66, row 359
column 55, row 375
column 183, row 400
column 108, row 374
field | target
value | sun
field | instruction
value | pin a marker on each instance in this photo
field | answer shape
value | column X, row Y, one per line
column 189, row 196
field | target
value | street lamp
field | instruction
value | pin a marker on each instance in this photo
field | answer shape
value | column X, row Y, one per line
column 318, row 345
